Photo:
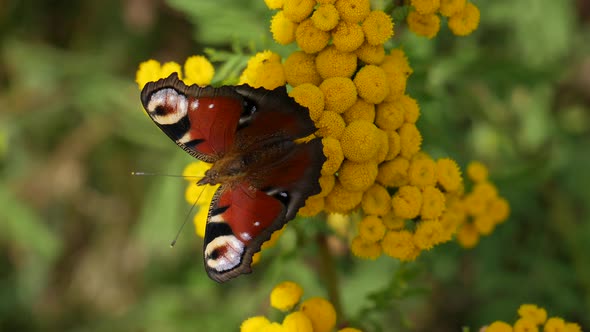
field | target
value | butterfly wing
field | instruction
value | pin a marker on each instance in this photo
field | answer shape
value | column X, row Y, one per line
column 243, row 217
column 202, row 121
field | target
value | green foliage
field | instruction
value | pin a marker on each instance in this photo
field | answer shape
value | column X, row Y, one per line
column 84, row 246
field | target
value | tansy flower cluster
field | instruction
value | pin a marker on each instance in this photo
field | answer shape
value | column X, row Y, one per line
column 530, row 319
column 312, row 315
column 424, row 18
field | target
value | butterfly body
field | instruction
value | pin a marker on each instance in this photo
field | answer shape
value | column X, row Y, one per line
column 249, row 135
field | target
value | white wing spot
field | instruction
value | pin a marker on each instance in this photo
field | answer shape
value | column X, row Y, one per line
column 246, row 236
column 232, row 256
column 257, row 223
column 169, row 99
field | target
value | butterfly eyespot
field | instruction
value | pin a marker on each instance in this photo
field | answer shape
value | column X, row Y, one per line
column 214, row 254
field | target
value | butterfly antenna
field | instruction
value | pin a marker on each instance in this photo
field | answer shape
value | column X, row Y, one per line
column 196, row 177
column 173, row 243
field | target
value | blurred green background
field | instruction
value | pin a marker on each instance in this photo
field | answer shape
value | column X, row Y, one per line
column 84, row 245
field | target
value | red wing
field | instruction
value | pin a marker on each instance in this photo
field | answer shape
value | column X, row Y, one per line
column 202, row 121
column 240, row 220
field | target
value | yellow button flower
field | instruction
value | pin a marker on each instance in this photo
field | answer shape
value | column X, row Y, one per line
column 467, row 236
column 394, row 173
column 334, row 156
column 149, row 71
column 274, row 4
column 353, row 10
column 198, row 70
column 327, row 183
column 423, row 25
column 347, row 37
column 254, row 324
column 194, row 171
column 359, row 141
column 572, row 327
column 358, row 176
column 383, row 150
column 499, row 326
column 389, row 116
column 371, row 229
column 465, row 21
column 321, row 313
column 325, row 17
column 525, row 325
column 378, row 27
column 394, row 144
column 376, row 201
column 200, row 221
column 332, row 63
column 426, row 6
column 300, row 69
column 451, row 7
column 349, row 329
column 371, row 54
column 484, row 224
column 365, row 249
column 340, row 200
column 400, row 245
column 428, row 234
column 313, row 206
column 397, row 81
column 448, row 174
column 330, row 124
column 433, row 203
column 285, row 295
column 397, row 59
column 339, row 94
column 477, row 171
column 371, row 84
column 498, row 209
column 407, row 202
column 536, row 314
column 410, row 107
column 422, row 172
column 309, row 38
column 310, row 97
column 264, row 70
column 360, row 110
column 297, row 322
column 282, row 29
column 169, row 68
column 410, row 139
column 273, row 327
column 554, row 324
column 393, row 222
column 298, row 10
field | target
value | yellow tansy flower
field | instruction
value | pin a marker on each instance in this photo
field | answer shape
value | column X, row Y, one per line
column 332, row 63
column 477, row 171
column 198, row 70
column 393, row 222
column 264, row 70
column 424, row 25
column 394, row 173
column 309, row 38
column 298, row 10
column 433, row 203
column 422, row 172
column 536, row 314
column 426, row 6
column 339, row 93
column 254, row 324
column 397, row 59
column 285, row 295
column 397, row 80
column 451, row 7
column 465, row 21
column 410, row 139
column 274, row 4
column 378, row 27
column 353, row 10
column 448, row 174
column 282, row 29
column 359, row 141
column 149, row 71
column 428, row 233
column 371, row 54
column 554, row 324
column 360, row 110
column 321, row 313
column 525, row 325
column 389, row 116
column 484, row 224
column 467, row 236
column 358, row 176
column 311, row 97
column 334, row 156
column 169, row 68
column 340, row 200
column 498, row 209
column 297, row 322
column 200, row 220
column 330, row 124
column 371, row 229
column 400, row 245
column 407, row 202
column 371, row 84
column 499, row 326
column 572, row 327
column 273, row 327
column 327, row 183
column 394, row 144
column 376, row 201
column 383, row 150
column 325, row 17
column 365, row 249
column 347, row 37
column 300, row 69
column 349, row 329
column 410, row 107
column 195, row 170
column 313, row 205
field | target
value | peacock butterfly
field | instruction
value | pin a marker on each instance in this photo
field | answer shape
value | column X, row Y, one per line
column 249, row 135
